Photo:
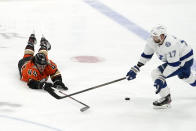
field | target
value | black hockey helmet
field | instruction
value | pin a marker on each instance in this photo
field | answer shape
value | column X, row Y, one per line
column 40, row 58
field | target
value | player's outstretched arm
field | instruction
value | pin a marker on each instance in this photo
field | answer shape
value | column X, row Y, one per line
column 34, row 84
column 47, row 86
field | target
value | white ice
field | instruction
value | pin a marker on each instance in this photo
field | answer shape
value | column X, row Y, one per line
column 76, row 29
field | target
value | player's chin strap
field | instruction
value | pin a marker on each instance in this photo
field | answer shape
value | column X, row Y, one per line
column 91, row 88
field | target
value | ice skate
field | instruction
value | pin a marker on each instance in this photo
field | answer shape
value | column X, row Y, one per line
column 32, row 40
column 45, row 43
column 163, row 103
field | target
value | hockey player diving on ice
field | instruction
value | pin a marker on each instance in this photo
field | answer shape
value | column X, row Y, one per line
column 35, row 70
column 177, row 56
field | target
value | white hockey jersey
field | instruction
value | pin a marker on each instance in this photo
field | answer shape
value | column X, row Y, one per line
column 173, row 51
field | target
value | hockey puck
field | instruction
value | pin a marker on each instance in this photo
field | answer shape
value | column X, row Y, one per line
column 127, row 98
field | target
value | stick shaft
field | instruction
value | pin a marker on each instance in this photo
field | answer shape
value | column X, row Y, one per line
column 74, row 99
column 85, row 90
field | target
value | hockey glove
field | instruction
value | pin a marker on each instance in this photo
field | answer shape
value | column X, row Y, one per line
column 160, row 83
column 34, row 84
column 44, row 43
column 59, row 85
column 133, row 72
column 45, row 85
column 48, row 87
column 32, row 40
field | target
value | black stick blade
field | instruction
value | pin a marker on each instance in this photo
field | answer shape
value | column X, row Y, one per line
column 84, row 108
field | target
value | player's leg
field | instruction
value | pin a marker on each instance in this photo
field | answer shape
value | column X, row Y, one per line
column 28, row 53
column 45, row 46
column 186, row 75
column 164, row 91
column 29, row 49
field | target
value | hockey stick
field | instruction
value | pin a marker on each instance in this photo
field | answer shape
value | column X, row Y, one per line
column 86, row 107
column 55, row 93
column 85, row 90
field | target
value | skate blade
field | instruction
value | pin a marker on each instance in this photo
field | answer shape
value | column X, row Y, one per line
column 166, row 106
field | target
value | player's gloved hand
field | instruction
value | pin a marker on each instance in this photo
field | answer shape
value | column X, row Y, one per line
column 32, row 40
column 34, row 84
column 59, row 85
column 160, row 83
column 132, row 73
column 46, row 85
column 44, row 43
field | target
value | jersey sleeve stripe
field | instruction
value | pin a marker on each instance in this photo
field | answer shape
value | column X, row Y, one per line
column 187, row 55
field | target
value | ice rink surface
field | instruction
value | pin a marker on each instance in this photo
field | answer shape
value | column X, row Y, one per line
column 110, row 34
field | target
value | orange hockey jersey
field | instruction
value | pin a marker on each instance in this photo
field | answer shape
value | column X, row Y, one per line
column 30, row 71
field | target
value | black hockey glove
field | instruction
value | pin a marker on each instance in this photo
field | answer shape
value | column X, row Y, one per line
column 58, row 84
column 34, row 84
column 46, row 86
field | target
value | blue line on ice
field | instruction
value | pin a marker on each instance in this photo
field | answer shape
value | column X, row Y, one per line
column 30, row 122
column 123, row 21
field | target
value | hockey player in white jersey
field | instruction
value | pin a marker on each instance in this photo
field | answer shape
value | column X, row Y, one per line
column 177, row 56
